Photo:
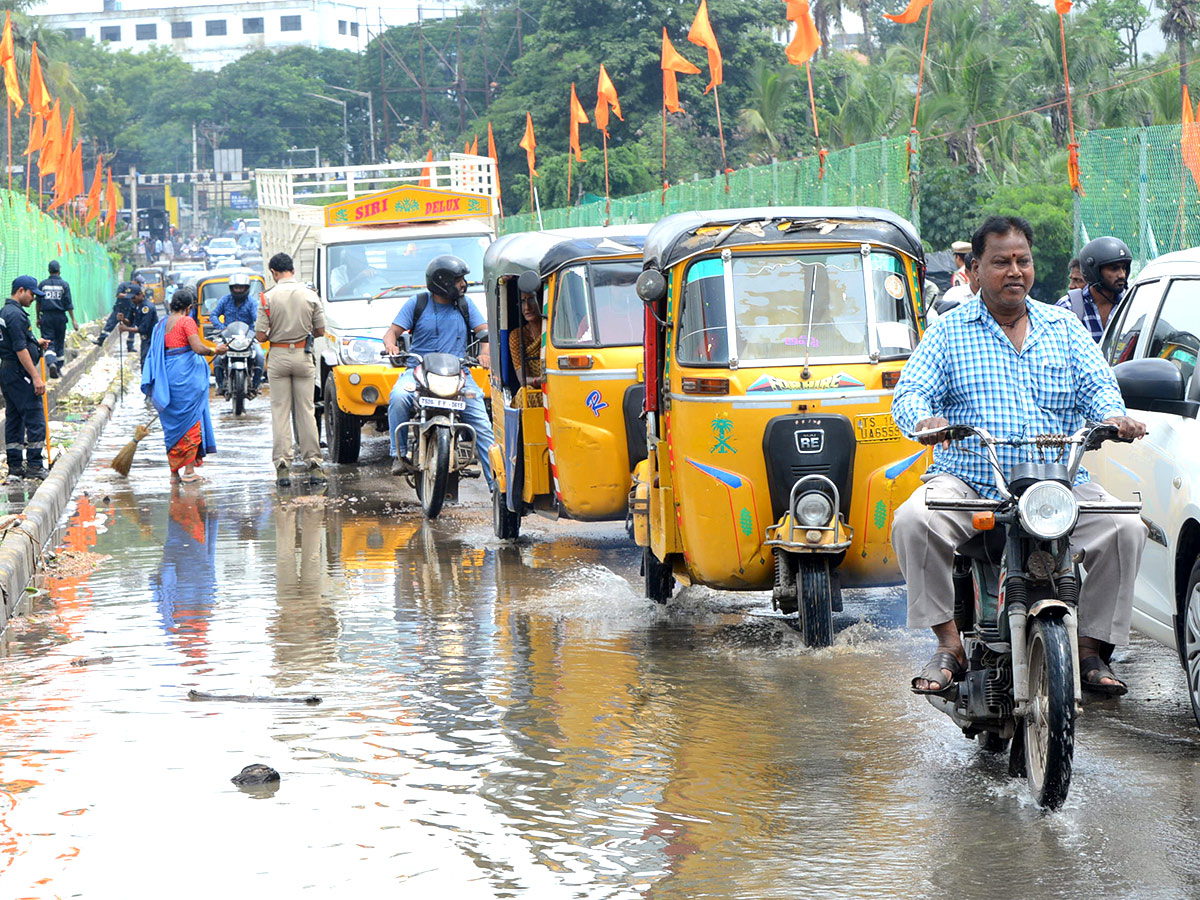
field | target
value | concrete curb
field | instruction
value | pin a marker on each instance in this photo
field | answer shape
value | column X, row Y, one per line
column 22, row 545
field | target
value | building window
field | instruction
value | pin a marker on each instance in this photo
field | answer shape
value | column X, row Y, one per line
column 354, row 28
column 215, row 28
column 110, row 33
column 252, row 26
column 289, row 23
column 341, row 26
column 146, row 32
column 75, row 34
column 181, row 29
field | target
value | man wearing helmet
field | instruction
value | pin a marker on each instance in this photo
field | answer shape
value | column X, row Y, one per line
column 52, row 311
column 442, row 326
column 236, row 306
column 1104, row 263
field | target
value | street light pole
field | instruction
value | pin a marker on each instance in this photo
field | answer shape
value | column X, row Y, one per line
column 316, row 152
column 345, row 136
column 370, row 112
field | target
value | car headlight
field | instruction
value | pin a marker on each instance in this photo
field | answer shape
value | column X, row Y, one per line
column 1048, row 510
column 813, row 510
column 443, row 385
column 361, row 351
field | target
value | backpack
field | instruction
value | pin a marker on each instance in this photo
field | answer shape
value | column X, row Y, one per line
column 1076, row 297
column 423, row 301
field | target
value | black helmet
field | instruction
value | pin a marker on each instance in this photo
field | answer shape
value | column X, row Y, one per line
column 1101, row 252
column 54, row 267
column 442, row 273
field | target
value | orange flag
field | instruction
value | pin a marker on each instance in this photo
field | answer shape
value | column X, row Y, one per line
column 807, row 41
column 1189, row 143
column 606, row 96
column 915, row 8
column 1062, row 7
column 93, row 197
column 673, row 62
column 9, row 64
column 427, row 172
column 495, row 156
column 701, row 34
column 475, row 146
column 48, row 157
column 39, row 97
column 36, row 136
column 76, row 185
column 529, row 144
column 114, row 203
column 578, row 117
column 63, row 162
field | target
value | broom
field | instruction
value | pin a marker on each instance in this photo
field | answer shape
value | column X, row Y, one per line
column 123, row 460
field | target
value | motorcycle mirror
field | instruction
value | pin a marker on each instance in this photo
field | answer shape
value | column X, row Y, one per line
column 529, row 282
column 651, row 286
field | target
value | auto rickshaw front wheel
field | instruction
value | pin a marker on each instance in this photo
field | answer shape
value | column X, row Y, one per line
column 815, row 589
column 505, row 522
column 660, row 581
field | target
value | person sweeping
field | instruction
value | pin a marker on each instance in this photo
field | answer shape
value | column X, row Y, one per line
column 21, row 384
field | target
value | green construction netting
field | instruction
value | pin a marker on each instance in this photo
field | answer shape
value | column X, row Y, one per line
column 1136, row 187
column 874, row 174
column 29, row 239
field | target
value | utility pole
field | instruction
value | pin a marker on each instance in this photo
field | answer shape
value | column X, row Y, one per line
column 370, row 112
column 458, row 79
column 421, row 45
column 345, row 135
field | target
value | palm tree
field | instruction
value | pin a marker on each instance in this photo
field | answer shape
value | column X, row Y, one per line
column 826, row 14
column 1180, row 23
column 771, row 90
column 863, row 8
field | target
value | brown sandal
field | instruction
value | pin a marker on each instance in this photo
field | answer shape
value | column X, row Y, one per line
column 933, row 671
column 1092, row 669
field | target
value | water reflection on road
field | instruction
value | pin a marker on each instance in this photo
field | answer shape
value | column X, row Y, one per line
column 511, row 721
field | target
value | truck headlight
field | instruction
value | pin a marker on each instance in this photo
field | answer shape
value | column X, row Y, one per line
column 813, row 509
column 361, row 351
column 443, row 385
column 1048, row 510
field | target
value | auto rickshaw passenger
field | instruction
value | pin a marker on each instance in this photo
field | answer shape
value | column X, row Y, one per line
column 525, row 348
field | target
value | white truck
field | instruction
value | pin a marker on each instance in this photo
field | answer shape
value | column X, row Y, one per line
column 362, row 237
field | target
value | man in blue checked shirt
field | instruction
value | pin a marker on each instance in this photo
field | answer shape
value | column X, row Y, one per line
column 1015, row 367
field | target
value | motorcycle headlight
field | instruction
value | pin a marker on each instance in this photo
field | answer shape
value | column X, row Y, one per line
column 442, row 385
column 1048, row 510
column 239, row 343
column 361, row 351
column 813, row 509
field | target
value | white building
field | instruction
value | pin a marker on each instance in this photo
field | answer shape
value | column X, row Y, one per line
column 210, row 36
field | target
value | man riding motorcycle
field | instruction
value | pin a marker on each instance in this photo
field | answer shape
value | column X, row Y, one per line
column 1013, row 366
column 237, row 307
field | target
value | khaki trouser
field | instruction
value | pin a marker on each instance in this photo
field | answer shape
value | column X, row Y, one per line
column 1111, row 543
column 292, row 373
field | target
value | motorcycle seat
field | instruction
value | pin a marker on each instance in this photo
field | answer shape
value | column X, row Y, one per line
column 985, row 546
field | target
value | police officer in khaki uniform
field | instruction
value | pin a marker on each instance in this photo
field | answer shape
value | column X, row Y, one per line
column 288, row 315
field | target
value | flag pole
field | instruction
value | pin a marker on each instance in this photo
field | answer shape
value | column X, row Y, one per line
column 721, row 135
column 664, row 161
column 8, row 107
column 607, row 199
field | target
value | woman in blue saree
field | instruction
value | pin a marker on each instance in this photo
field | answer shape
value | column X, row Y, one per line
column 175, row 378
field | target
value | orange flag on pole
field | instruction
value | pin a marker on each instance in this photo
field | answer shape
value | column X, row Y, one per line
column 913, row 12
column 495, row 159
column 606, row 97
column 63, row 162
column 427, row 172
column 114, row 202
column 701, row 34
column 475, row 146
column 806, row 41
column 578, row 117
column 672, row 62
column 37, row 134
column 39, row 97
column 9, row 63
column 1062, row 7
column 1189, row 143
column 48, row 157
column 93, row 197
column 528, row 143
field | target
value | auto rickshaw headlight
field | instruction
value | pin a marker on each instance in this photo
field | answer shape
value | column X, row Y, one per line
column 443, row 385
column 813, row 509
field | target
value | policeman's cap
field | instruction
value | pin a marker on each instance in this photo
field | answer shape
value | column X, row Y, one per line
column 28, row 283
column 960, row 247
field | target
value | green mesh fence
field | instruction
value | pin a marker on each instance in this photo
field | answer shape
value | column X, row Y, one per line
column 874, row 174
column 29, row 239
column 1136, row 187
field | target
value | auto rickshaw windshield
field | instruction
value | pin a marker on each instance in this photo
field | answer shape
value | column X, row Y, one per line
column 596, row 304
column 792, row 308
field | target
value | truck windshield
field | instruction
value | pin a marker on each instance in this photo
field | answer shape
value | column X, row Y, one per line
column 596, row 304
column 792, row 307
column 363, row 270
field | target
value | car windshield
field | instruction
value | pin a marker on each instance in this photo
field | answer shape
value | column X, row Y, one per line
column 213, row 291
column 596, row 304
column 222, row 244
column 793, row 307
column 363, row 270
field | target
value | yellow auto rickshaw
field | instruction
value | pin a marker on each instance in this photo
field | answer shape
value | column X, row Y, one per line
column 775, row 337
column 568, row 448
column 210, row 288
column 155, row 282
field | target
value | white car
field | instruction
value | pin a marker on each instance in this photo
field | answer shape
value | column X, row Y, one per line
column 1153, row 339
column 220, row 248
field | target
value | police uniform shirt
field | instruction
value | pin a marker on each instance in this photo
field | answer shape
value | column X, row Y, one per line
column 58, row 295
column 145, row 316
column 17, row 334
column 289, row 312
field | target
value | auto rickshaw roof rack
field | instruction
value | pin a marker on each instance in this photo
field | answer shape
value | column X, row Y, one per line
column 683, row 235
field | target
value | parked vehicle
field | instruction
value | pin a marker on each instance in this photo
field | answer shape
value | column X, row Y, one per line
column 155, row 282
column 1153, row 340
column 774, row 338
column 590, row 403
column 240, row 363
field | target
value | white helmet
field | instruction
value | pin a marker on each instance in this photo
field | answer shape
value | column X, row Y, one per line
column 239, row 279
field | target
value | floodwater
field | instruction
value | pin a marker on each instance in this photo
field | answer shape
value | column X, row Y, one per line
column 511, row 721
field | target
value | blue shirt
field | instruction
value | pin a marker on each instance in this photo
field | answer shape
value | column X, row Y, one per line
column 1091, row 315
column 246, row 311
column 440, row 329
column 966, row 370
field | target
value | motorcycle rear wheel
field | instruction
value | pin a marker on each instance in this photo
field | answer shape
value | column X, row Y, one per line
column 436, row 472
column 1050, row 721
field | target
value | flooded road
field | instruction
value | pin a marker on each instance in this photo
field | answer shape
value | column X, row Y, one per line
column 510, row 721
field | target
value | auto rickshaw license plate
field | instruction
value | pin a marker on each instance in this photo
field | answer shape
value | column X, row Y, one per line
column 876, row 429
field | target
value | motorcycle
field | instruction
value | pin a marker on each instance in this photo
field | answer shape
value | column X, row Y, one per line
column 239, row 363
column 440, row 445
column 1016, row 591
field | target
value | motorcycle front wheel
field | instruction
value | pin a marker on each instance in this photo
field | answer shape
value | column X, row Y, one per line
column 237, row 389
column 1050, row 721
column 436, row 473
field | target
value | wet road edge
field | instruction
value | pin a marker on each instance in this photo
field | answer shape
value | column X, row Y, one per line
column 23, row 544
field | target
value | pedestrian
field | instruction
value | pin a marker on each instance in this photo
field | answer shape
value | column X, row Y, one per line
column 956, row 296
column 52, row 310
column 141, row 322
column 960, row 249
column 290, row 316
column 1075, row 277
column 158, row 249
column 20, row 383
column 1104, row 265
column 175, row 379
column 169, row 249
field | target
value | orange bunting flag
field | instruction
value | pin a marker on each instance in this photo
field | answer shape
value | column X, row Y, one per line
column 114, row 203
column 910, row 15
column 578, row 117
column 606, row 97
column 48, row 157
column 807, row 41
column 427, row 172
column 495, row 156
column 1189, row 143
column 529, row 144
column 9, row 64
column 1062, row 7
column 62, row 163
column 475, row 146
column 76, row 184
column 93, row 197
column 36, row 136
column 672, row 62
column 701, row 34
column 39, row 97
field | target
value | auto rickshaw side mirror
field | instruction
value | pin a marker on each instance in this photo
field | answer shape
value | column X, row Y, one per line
column 651, row 286
column 529, row 282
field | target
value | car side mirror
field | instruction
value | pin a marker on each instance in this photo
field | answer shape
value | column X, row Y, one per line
column 651, row 286
column 529, row 282
column 1154, row 385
